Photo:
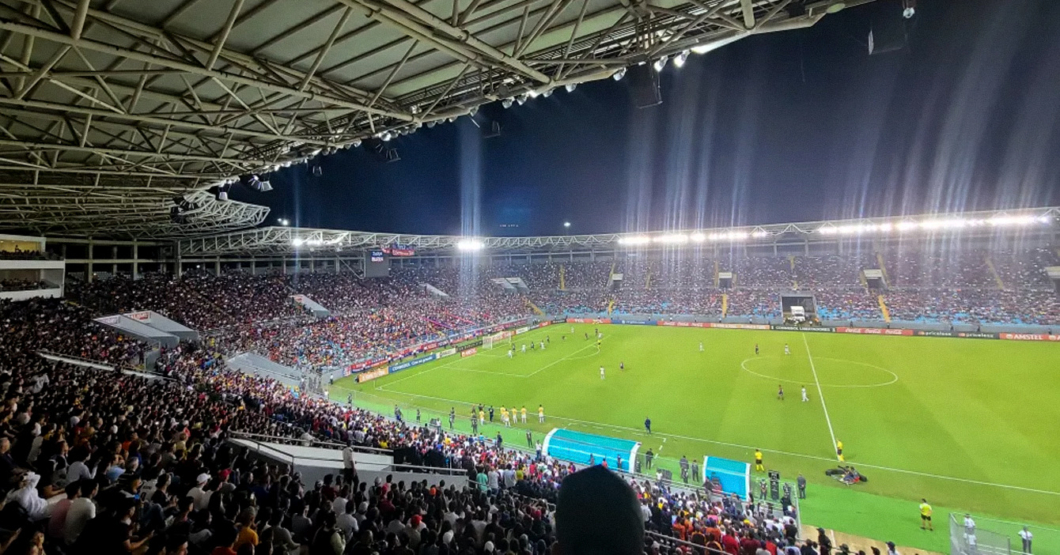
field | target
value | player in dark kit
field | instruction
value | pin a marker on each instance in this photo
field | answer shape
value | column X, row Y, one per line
column 647, row 424
column 756, row 348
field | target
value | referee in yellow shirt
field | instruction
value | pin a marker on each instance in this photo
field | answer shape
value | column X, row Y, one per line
column 925, row 516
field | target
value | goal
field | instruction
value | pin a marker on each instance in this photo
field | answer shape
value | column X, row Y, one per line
column 487, row 342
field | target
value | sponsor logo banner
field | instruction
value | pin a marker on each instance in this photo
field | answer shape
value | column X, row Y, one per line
column 372, row 374
column 409, row 364
column 472, row 345
column 140, row 316
column 875, row 331
column 725, row 326
column 469, row 352
column 634, row 322
column 447, row 353
column 109, row 320
column 1030, row 337
column 797, row 328
column 522, row 330
column 299, row 299
column 685, row 324
column 560, row 321
column 543, row 325
column 589, row 320
column 965, row 334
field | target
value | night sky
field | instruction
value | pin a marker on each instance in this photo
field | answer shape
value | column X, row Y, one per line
column 793, row 126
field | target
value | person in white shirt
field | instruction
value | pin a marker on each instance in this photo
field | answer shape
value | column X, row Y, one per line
column 345, row 521
column 81, row 510
column 348, row 467
column 602, row 373
column 969, row 529
column 805, row 398
column 1027, row 537
column 29, row 498
column 198, row 494
column 79, row 470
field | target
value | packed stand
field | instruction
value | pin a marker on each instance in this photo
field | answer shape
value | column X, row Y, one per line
column 761, row 271
column 831, row 271
column 847, row 304
column 1026, row 269
column 753, row 303
column 197, row 299
column 98, row 462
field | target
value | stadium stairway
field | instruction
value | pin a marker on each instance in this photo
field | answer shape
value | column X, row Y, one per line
column 253, row 363
column 993, row 272
column 883, row 268
column 562, row 277
column 724, row 304
column 883, row 308
column 717, row 270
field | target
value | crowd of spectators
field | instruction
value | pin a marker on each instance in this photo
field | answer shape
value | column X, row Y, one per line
column 22, row 284
column 831, row 271
column 19, row 254
column 102, row 462
column 852, row 303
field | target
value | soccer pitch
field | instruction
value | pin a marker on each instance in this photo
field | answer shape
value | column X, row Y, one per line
column 968, row 424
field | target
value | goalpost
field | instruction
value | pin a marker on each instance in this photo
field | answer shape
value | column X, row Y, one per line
column 487, row 341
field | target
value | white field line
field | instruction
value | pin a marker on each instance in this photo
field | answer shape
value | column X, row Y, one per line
column 820, row 392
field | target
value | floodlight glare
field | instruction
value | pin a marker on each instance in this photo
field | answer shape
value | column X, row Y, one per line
column 470, row 245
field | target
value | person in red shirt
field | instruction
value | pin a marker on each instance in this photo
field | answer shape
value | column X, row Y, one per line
column 730, row 544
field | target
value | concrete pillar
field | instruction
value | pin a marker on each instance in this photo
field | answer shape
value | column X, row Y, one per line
column 283, row 262
column 338, row 264
column 253, row 266
column 136, row 259
column 114, row 256
column 217, row 266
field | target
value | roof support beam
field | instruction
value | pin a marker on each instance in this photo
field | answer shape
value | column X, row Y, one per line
column 186, row 67
column 748, row 14
column 80, row 14
column 219, row 42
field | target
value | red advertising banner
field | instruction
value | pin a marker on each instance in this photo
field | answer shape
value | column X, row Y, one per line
column 589, row 320
column 875, row 331
column 141, row 316
column 469, row 352
column 1030, row 337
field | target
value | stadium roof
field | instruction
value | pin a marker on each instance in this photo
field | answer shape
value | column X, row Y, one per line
column 291, row 241
column 109, row 109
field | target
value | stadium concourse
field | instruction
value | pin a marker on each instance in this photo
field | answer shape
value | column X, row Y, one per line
column 98, row 463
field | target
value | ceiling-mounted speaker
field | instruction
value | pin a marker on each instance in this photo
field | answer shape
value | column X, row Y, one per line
column 644, row 84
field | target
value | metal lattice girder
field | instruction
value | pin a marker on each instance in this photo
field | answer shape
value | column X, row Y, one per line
column 319, row 242
column 200, row 91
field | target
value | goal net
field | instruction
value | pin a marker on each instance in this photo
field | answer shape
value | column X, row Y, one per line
column 487, row 342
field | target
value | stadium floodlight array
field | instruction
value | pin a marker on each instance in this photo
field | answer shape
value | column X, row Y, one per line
column 470, row 245
column 941, row 224
column 298, row 242
column 697, row 237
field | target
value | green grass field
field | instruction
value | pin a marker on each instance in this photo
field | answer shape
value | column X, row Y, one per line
column 968, row 424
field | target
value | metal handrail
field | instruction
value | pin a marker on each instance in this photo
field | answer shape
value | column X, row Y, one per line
column 287, row 440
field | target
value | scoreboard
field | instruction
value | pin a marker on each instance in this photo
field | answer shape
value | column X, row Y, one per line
column 376, row 264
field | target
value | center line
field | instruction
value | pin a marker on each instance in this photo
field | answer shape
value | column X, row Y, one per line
column 820, row 392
